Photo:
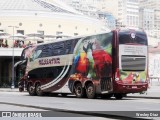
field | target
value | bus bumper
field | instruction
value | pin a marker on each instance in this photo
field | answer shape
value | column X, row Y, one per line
column 121, row 88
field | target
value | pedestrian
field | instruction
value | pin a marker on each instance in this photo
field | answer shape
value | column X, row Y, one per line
column 29, row 43
column 1, row 42
column 20, row 43
column 6, row 43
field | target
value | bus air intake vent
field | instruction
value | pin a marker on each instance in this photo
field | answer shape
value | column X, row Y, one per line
column 106, row 84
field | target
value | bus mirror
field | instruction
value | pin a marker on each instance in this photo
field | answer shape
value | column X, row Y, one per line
column 16, row 64
column 26, row 59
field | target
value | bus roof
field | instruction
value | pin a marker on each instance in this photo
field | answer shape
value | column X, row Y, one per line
column 130, row 29
column 74, row 37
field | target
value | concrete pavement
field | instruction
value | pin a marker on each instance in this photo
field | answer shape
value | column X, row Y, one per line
column 9, row 90
column 153, row 92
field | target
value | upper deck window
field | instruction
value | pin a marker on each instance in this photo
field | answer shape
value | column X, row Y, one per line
column 132, row 37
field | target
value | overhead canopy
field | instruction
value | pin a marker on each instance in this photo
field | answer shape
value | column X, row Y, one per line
column 36, row 5
column 4, row 35
column 18, row 36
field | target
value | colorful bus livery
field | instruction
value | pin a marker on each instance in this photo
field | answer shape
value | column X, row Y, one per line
column 107, row 64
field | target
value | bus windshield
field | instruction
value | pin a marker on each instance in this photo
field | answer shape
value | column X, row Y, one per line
column 24, row 52
column 23, row 56
column 135, row 37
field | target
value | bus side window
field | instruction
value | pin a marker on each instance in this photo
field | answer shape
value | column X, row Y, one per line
column 58, row 49
column 68, row 46
column 58, row 52
column 58, row 45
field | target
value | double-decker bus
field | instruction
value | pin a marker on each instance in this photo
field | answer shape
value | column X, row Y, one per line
column 108, row 64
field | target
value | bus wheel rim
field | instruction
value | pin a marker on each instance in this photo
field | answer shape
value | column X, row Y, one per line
column 79, row 91
column 31, row 89
column 90, row 90
column 38, row 89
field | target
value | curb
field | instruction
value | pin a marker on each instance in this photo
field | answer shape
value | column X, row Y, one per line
column 9, row 90
column 146, row 97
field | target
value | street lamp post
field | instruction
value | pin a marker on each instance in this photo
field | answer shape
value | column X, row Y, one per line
column 13, row 85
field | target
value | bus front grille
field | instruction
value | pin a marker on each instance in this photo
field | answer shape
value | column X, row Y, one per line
column 133, row 63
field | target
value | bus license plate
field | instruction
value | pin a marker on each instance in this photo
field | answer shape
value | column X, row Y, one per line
column 134, row 86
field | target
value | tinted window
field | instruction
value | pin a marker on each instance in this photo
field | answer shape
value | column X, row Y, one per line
column 23, row 56
column 49, row 72
column 55, row 49
column 104, row 39
column 129, row 37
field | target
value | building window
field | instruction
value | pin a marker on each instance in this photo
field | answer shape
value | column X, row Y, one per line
column 20, row 31
column 40, row 25
column 86, row 29
column 20, row 24
column 76, row 27
column 75, row 34
column 59, row 33
column 59, row 26
column 0, row 24
column 41, row 32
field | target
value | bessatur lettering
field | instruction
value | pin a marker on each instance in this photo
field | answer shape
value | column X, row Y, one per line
column 49, row 61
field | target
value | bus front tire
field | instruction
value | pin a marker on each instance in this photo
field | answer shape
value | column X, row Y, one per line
column 31, row 90
column 21, row 89
column 79, row 91
column 39, row 91
column 90, row 91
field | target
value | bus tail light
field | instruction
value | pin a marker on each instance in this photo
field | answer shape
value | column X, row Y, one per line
column 117, row 75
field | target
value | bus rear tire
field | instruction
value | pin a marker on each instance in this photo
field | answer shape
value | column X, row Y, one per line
column 39, row 91
column 118, row 96
column 79, row 91
column 31, row 90
column 90, row 91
